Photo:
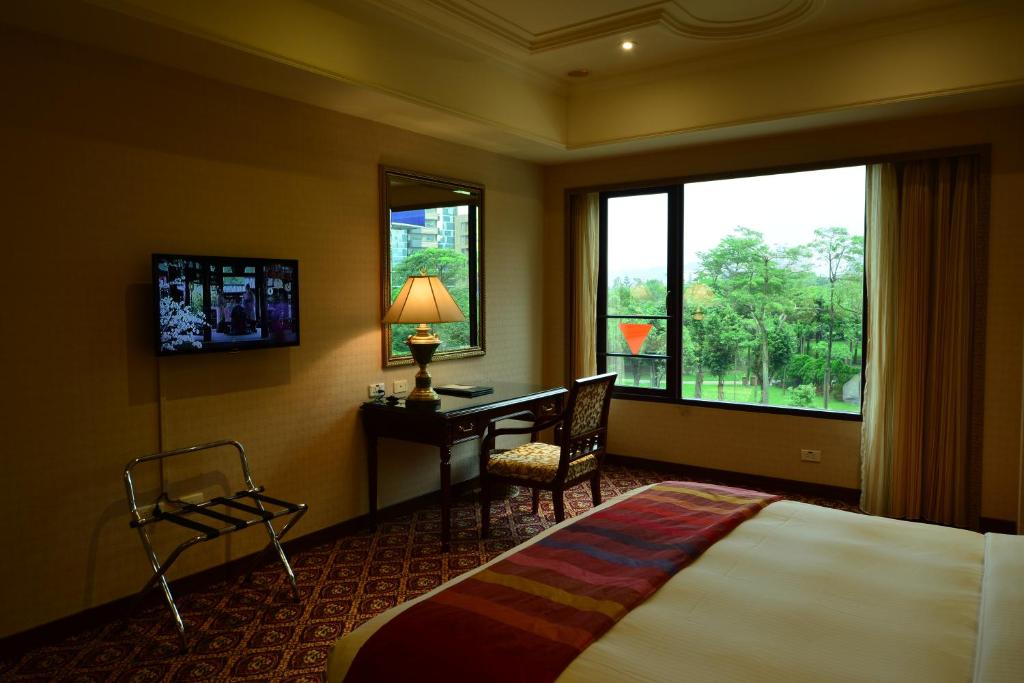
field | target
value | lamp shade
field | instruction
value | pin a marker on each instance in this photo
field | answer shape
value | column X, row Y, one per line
column 424, row 299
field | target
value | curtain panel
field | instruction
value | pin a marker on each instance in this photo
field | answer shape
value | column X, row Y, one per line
column 922, row 393
column 584, row 226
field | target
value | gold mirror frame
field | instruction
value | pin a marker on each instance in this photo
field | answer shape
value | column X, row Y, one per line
column 390, row 178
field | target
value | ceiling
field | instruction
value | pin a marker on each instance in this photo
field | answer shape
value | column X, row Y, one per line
column 553, row 38
column 494, row 73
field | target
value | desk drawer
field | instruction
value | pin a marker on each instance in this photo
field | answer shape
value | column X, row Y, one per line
column 463, row 428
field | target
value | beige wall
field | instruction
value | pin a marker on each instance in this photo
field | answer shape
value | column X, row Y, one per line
column 104, row 160
column 769, row 444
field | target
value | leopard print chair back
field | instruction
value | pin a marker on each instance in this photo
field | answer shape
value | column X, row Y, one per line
column 588, row 418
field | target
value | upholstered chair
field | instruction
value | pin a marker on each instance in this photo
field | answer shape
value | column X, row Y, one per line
column 580, row 435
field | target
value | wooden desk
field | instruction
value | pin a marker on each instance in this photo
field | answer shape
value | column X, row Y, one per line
column 454, row 421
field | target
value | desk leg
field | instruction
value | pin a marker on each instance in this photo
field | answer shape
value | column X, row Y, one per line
column 371, row 466
column 446, row 497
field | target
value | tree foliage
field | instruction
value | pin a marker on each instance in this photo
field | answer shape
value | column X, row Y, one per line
column 842, row 255
column 724, row 333
column 452, row 268
column 756, row 279
column 788, row 317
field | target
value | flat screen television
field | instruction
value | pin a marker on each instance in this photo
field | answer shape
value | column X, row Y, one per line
column 224, row 303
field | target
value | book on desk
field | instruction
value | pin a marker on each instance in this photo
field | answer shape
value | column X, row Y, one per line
column 463, row 390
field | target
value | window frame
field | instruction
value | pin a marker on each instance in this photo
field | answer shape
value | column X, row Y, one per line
column 676, row 235
column 673, row 329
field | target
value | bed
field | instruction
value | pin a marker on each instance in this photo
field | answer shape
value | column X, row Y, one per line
column 807, row 593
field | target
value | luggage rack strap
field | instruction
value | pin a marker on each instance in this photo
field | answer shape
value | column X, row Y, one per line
column 233, row 521
column 232, row 503
column 181, row 520
column 291, row 507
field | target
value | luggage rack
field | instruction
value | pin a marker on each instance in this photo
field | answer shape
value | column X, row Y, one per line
column 188, row 514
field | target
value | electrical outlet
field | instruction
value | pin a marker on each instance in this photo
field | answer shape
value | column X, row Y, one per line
column 401, row 386
column 375, row 390
column 809, row 455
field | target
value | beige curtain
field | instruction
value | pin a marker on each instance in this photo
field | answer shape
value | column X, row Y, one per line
column 584, row 219
column 922, row 225
column 881, row 197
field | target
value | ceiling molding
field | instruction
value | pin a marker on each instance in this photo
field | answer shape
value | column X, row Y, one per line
column 353, row 57
column 983, row 96
column 807, row 42
column 670, row 15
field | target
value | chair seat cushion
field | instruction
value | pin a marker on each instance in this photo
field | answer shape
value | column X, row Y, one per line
column 537, row 462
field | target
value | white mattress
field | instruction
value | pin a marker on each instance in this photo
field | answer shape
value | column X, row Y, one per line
column 805, row 593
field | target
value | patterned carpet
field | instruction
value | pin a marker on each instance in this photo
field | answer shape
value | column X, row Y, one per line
column 254, row 632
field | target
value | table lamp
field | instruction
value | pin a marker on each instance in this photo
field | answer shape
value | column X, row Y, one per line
column 423, row 299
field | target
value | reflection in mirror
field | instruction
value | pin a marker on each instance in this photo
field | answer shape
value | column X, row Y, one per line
column 433, row 225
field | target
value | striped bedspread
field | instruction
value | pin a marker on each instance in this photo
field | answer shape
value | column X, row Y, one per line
column 527, row 617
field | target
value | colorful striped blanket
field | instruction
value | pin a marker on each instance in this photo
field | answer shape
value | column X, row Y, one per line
column 528, row 616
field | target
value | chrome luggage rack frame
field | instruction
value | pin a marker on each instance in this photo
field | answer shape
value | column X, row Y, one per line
column 255, row 505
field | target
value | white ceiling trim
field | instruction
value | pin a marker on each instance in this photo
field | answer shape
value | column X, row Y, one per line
column 818, row 40
column 357, row 67
column 987, row 96
column 668, row 14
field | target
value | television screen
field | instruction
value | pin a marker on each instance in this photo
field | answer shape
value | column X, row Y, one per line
column 222, row 303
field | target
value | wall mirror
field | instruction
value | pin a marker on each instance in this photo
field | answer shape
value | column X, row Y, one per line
column 434, row 225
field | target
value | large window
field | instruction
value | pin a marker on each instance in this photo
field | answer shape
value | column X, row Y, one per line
column 740, row 291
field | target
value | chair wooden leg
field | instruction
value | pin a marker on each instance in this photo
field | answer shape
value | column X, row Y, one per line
column 485, row 508
column 536, row 499
column 559, row 501
column 595, row 488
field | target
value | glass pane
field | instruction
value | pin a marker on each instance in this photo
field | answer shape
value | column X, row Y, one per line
column 434, row 225
column 637, row 372
column 774, row 280
column 637, row 254
column 433, row 241
column 637, row 336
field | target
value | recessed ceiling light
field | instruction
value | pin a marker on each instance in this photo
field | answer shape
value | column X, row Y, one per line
column 628, row 45
column 579, row 73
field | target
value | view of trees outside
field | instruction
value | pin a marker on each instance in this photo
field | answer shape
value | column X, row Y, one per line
column 773, row 296
column 637, row 289
column 435, row 242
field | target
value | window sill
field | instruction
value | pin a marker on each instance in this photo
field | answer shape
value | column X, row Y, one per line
column 745, row 407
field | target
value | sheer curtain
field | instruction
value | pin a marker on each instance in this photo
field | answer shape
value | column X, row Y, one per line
column 584, row 210
column 881, row 199
column 920, row 267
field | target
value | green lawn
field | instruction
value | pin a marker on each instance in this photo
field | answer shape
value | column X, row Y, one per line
column 736, row 392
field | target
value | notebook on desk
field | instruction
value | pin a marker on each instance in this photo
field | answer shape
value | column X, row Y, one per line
column 463, row 390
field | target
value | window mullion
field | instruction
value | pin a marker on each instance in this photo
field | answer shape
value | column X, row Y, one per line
column 601, row 322
column 674, row 345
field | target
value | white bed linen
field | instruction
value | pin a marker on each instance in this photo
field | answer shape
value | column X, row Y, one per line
column 800, row 593
column 1000, row 657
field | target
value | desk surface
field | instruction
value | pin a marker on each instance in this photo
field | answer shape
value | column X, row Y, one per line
column 457, row 406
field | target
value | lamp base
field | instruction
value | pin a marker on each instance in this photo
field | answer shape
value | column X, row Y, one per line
column 427, row 398
column 423, row 392
column 422, row 346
